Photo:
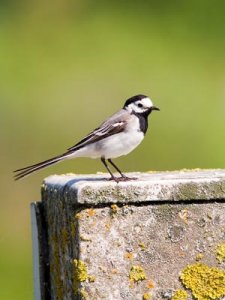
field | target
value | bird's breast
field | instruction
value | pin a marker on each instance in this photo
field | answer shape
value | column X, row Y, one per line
column 120, row 144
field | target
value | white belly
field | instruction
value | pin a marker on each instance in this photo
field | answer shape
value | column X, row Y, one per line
column 120, row 144
column 111, row 147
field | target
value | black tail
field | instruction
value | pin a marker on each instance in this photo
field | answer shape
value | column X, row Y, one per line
column 20, row 173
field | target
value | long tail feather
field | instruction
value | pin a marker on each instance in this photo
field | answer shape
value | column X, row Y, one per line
column 20, row 173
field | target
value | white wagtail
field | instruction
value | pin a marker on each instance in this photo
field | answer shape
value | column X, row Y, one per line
column 117, row 136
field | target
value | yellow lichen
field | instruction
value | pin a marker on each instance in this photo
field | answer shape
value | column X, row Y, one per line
column 209, row 216
column 78, row 216
column 80, row 274
column 199, row 256
column 146, row 296
column 184, row 214
column 107, row 226
column 80, row 270
column 137, row 273
column 85, row 238
column 142, row 246
column 83, row 294
column 114, row 208
column 220, row 253
column 204, row 282
column 180, row 295
column 91, row 278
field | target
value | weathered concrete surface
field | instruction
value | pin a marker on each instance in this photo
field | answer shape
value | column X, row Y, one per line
column 178, row 185
column 136, row 248
column 161, row 239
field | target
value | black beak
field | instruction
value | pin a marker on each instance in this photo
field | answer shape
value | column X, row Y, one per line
column 155, row 108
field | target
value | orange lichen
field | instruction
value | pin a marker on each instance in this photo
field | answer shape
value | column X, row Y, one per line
column 150, row 284
column 91, row 212
column 107, row 226
column 115, row 271
column 129, row 255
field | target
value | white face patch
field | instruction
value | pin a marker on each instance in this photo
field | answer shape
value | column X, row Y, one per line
column 140, row 106
column 147, row 102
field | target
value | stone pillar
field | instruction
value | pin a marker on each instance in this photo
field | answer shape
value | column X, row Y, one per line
column 161, row 236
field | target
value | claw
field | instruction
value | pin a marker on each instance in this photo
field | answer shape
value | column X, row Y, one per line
column 117, row 180
column 125, row 178
column 122, row 178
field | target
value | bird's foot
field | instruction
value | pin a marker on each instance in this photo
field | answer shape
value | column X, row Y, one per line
column 122, row 179
column 116, row 179
column 125, row 178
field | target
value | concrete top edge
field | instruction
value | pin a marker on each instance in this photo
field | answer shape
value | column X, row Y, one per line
column 180, row 185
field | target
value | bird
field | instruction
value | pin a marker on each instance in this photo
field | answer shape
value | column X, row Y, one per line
column 117, row 136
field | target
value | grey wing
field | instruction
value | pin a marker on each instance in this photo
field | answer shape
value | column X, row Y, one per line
column 113, row 125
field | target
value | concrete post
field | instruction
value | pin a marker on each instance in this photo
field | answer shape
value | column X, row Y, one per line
column 161, row 236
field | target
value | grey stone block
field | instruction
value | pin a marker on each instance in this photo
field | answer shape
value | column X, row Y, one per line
column 134, row 240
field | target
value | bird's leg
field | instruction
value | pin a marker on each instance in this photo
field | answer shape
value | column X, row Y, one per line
column 108, row 169
column 112, row 163
column 123, row 177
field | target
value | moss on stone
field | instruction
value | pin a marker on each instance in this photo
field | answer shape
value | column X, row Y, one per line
column 73, row 229
column 137, row 273
column 187, row 191
column 180, row 295
column 117, row 192
column 205, row 283
column 220, row 252
column 55, row 268
column 165, row 212
column 64, row 237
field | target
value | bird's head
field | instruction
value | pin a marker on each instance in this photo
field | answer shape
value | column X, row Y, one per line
column 140, row 104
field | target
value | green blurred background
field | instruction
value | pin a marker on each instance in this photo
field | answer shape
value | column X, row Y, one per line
column 67, row 65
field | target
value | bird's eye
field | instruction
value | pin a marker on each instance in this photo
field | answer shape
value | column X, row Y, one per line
column 140, row 105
